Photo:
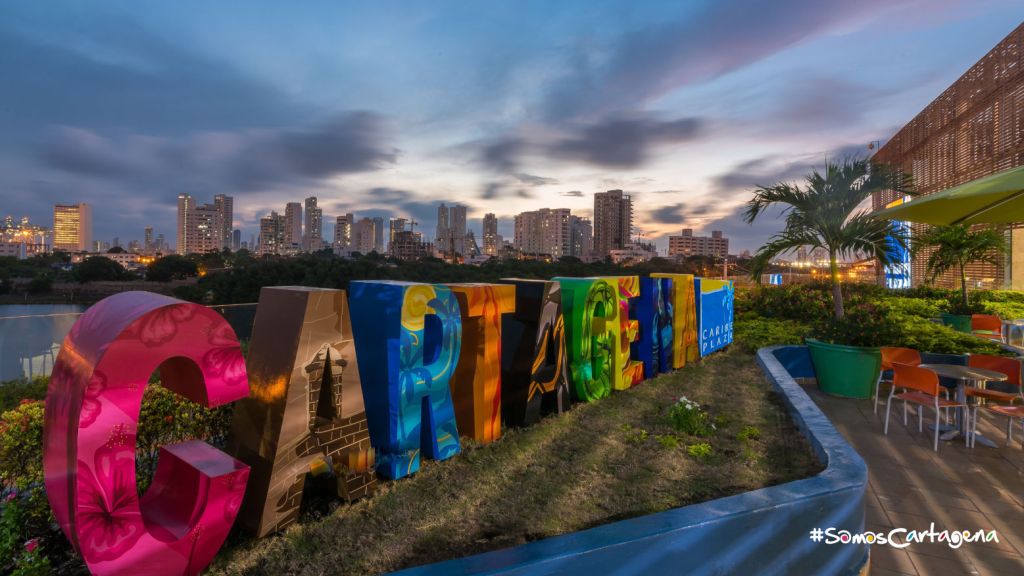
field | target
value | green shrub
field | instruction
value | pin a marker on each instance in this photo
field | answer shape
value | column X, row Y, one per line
column 749, row 433
column 1007, row 310
column 700, row 451
column 922, row 307
column 926, row 336
column 667, row 441
column 688, row 417
column 864, row 324
column 25, row 511
column 13, row 392
column 752, row 332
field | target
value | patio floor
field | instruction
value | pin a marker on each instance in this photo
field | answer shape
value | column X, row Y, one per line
column 957, row 488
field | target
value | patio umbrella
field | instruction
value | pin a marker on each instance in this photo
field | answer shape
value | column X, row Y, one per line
column 995, row 199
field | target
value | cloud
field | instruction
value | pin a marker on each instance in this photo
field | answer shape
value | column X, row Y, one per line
column 229, row 161
column 118, row 74
column 531, row 180
column 743, row 236
column 677, row 213
column 623, row 141
column 573, row 193
column 743, row 178
column 647, row 63
column 502, row 154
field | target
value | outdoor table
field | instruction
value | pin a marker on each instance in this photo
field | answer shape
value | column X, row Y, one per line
column 965, row 374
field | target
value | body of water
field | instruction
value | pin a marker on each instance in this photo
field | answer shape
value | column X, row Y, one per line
column 31, row 334
column 30, row 337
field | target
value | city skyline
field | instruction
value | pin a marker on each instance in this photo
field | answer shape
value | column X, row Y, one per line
column 512, row 109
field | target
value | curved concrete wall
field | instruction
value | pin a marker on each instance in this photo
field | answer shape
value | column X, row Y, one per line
column 761, row 532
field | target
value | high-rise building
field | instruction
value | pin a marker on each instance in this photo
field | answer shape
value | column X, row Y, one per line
column 490, row 233
column 236, row 239
column 314, row 237
column 225, row 206
column 972, row 130
column 378, row 235
column 613, row 221
column 271, row 239
column 293, row 225
column 395, row 226
column 364, row 234
column 343, row 231
column 204, row 227
column 443, row 241
column 72, row 227
column 147, row 243
column 543, row 232
column 581, row 238
column 457, row 233
column 686, row 244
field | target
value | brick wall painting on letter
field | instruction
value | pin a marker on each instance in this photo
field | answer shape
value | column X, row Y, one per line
column 305, row 414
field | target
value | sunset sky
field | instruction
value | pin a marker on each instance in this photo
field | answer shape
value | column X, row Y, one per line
column 388, row 108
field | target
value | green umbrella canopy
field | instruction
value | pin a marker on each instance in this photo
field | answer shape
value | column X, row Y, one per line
column 995, row 199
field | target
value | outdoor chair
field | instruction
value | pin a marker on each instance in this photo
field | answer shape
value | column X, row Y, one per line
column 890, row 356
column 987, row 326
column 921, row 387
column 1010, row 412
column 1013, row 392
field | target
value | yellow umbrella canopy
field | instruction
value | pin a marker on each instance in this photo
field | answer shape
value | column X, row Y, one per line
column 995, row 199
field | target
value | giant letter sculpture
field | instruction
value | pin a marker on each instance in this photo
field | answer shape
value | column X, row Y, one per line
column 534, row 371
column 714, row 314
column 684, row 319
column 92, row 418
column 628, row 372
column 305, row 413
column 476, row 384
column 407, row 336
column 654, row 313
column 591, row 311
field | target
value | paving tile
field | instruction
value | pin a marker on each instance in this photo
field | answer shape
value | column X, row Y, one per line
column 936, row 566
column 996, row 563
column 892, row 559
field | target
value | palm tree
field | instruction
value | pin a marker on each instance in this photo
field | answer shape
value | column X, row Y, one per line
column 955, row 246
column 824, row 214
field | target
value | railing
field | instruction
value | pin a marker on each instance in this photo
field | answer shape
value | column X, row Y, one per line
column 30, row 340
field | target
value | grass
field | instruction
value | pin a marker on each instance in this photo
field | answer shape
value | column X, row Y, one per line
column 600, row 462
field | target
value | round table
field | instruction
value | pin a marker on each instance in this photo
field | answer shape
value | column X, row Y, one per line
column 964, row 374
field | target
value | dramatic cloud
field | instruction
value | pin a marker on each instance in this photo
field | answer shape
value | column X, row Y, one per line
column 768, row 170
column 246, row 160
column 676, row 213
column 531, row 180
column 503, row 154
column 650, row 62
column 623, row 141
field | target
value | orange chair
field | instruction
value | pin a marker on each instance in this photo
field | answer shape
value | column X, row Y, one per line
column 1010, row 412
column 921, row 387
column 891, row 355
column 1012, row 367
column 987, row 326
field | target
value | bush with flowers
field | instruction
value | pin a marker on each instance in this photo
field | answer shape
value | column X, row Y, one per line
column 30, row 542
column 688, row 417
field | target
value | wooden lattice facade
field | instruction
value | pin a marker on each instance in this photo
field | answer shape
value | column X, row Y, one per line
column 973, row 129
